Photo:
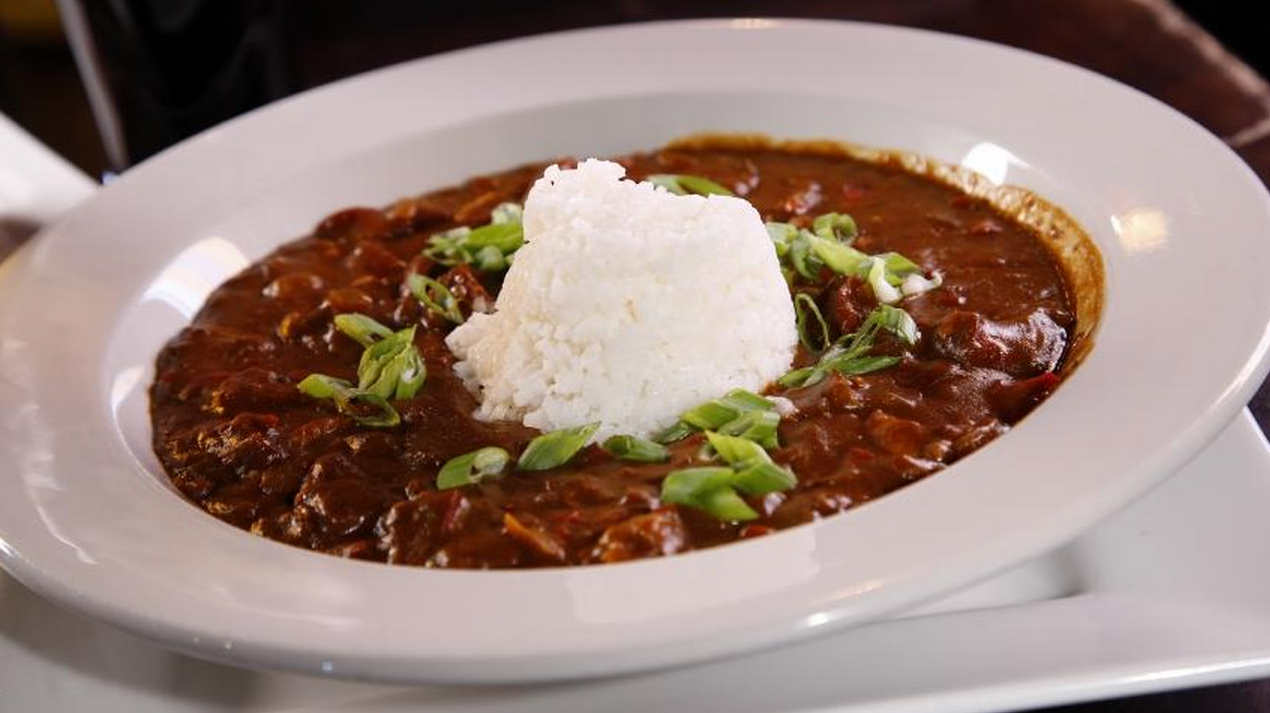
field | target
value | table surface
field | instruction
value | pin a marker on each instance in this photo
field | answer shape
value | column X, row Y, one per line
column 1148, row 44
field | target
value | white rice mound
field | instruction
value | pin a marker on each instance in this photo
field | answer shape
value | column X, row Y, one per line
column 627, row 305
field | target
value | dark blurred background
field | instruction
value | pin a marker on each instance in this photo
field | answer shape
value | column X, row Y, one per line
column 160, row 70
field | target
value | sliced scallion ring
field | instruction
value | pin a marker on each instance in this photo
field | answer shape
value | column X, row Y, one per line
column 813, row 331
column 636, row 449
column 757, row 426
column 554, row 449
column 471, row 468
column 683, row 184
column 708, row 489
column 364, row 407
column 360, row 328
column 435, row 297
column 835, row 226
column 849, row 355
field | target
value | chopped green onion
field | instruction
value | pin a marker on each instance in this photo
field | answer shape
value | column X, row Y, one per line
column 392, row 367
column 398, row 376
column 364, row 407
column 835, row 226
column 738, row 413
column 782, row 235
column 377, row 356
column 378, row 413
column 813, row 331
column 361, row 329
column 798, row 377
column 636, row 449
column 321, row 386
column 552, row 450
column 709, row 490
column 410, row 374
column 897, row 266
column 742, row 400
column 708, row 416
column 683, row 184
column 711, row 415
column 916, row 284
column 828, row 244
column 839, row 257
column 471, row 468
column 897, row 322
column 507, row 213
column 724, row 504
column 757, row 426
column 490, row 259
column 675, row 432
column 882, row 289
column 763, row 478
column 735, row 451
column 713, row 489
column 505, row 237
column 435, row 296
column 447, row 247
column 849, row 355
column 801, row 256
column 488, row 247
column 864, row 365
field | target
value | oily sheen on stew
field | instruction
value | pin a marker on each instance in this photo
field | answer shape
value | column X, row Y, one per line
column 243, row 443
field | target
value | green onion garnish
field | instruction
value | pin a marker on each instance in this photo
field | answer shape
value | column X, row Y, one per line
column 839, row 227
column 882, row 287
column 488, row 247
column 839, row 257
column 507, row 213
column 755, row 473
column 683, row 184
column 738, row 412
column 471, row 468
column 713, row 489
column 849, row 355
column 712, row 415
column 392, row 367
column 813, row 331
column 364, row 407
column 709, row 490
column 801, row 257
column 757, row 426
column 504, row 237
column 782, row 235
column 435, row 297
column 709, row 415
column 361, row 329
column 828, row 244
column 321, row 386
column 764, row 478
column 736, row 451
column 636, row 449
column 675, row 432
column 552, row 450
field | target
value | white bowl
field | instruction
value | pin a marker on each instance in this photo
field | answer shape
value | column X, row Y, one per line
column 88, row 518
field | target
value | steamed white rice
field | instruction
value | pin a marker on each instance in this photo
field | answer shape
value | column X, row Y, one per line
column 627, row 305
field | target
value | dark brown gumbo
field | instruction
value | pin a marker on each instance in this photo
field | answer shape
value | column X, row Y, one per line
column 313, row 401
